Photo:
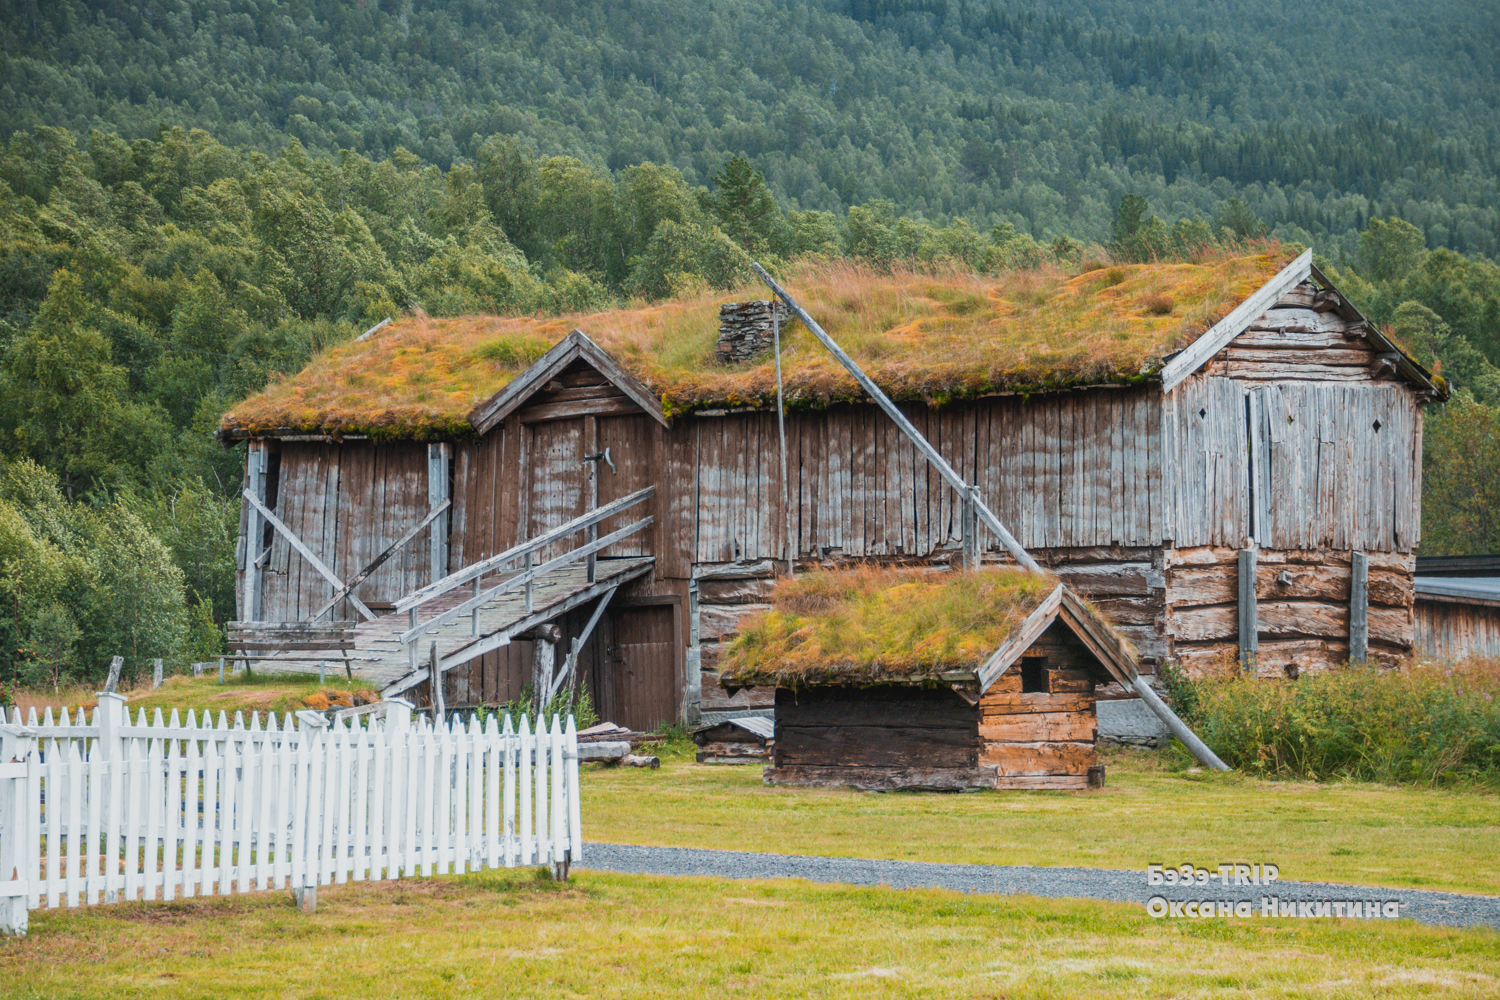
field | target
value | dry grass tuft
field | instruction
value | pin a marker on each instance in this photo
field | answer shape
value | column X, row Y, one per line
column 1158, row 305
column 922, row 335
column 872, row 623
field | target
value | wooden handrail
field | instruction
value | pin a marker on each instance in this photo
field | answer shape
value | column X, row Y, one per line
column 434, row 590
column 510, row 583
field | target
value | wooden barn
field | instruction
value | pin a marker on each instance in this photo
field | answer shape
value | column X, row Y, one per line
column 1222, row 452
column 1458, row 607
column 926, row 679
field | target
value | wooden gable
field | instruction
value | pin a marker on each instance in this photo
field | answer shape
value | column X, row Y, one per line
column 575, row 378
column 1299, row 327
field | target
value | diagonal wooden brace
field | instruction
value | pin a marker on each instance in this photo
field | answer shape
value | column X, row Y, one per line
column 306, row 552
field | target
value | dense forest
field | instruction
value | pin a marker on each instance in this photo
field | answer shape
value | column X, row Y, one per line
column 1042, row 117
column 195, row 198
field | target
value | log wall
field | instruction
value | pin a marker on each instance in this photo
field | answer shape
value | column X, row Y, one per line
column 880, row 737
column 1042, row 739
column 1302, row 608
column 1454, row 629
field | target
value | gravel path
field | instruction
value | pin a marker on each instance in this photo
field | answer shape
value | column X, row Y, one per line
column 1440, row 908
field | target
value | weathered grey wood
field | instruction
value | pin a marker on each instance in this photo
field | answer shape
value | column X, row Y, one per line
column 439, row 682
column 1359, row 607
column 522, row 579
column 1249, row 624
column 937, row 460
column 396, row 546
column 255, row 482
column 485, row 566
column 786, row 503
column 543, row 661
column 543, row 412
column 305, row 552
column 112, row 682
column 156, row 674
column 1221, row 333
column 439, row 503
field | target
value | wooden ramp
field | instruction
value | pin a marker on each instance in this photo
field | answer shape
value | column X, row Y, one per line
column 380, row 658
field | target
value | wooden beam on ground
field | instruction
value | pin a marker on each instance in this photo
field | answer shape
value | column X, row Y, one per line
column 305, row 552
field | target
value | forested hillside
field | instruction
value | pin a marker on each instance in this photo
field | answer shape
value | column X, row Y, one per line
column 1042, row 117
column 197, row 198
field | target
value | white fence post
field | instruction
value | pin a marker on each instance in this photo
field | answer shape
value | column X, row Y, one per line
column 17, row 874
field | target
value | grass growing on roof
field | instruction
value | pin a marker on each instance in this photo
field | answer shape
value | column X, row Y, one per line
column 933, row 335
column 870, row 623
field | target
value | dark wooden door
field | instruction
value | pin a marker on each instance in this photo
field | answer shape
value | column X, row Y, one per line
column 635, row 682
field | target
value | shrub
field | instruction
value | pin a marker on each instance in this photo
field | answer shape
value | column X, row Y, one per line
column 1425, row 724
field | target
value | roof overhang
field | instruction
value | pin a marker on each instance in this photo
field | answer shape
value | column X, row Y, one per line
column 576, row 346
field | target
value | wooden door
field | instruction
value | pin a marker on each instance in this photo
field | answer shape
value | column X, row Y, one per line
column 557, row 479
column 635, row 682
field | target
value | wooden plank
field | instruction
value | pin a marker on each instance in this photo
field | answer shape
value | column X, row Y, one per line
column 1040, row 726
column 1359, row 607
column 1249, row 629
column 1039, row 758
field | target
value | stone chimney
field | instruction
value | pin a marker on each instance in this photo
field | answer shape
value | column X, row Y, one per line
column 745, row 329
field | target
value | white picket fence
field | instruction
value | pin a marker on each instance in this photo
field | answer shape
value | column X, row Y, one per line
column 104, row 811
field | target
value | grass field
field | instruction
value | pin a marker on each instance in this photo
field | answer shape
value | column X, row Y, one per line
column 1357, row 833
column 514, row 935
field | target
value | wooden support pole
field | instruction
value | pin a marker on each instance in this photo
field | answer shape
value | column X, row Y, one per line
column 1249, row 622
column 1359, row 608
column 969, row 532
column 439, row 459
column 786, row 503
column 255, row 483
column 543, row 658
column 932, row 455
column 156, row 674
column 436, row 680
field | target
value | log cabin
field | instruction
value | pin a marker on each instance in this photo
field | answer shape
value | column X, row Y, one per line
column 1216, row 453
column 921, row 679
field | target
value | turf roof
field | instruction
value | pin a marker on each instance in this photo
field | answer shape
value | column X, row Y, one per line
column 931, row 337
column 877, row 624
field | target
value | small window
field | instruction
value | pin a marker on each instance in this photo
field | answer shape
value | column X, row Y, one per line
column 1034, row 675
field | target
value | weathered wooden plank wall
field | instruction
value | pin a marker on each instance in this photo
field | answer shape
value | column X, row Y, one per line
column 1345, row 469
column 1061, row 470
column 347, row 502
column 1451, row 630
column 1302, row 607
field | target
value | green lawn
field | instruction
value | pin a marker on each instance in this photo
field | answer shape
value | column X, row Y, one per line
column 513, row 935
column 1349, row 832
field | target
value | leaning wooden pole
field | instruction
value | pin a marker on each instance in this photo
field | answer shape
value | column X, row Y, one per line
column 1199, row 749
column 923, row 445
column 786, row 502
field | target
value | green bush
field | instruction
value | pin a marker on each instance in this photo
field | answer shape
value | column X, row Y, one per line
column 1429, row 725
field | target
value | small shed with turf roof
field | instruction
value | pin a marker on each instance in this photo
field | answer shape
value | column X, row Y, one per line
column 919, row 679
